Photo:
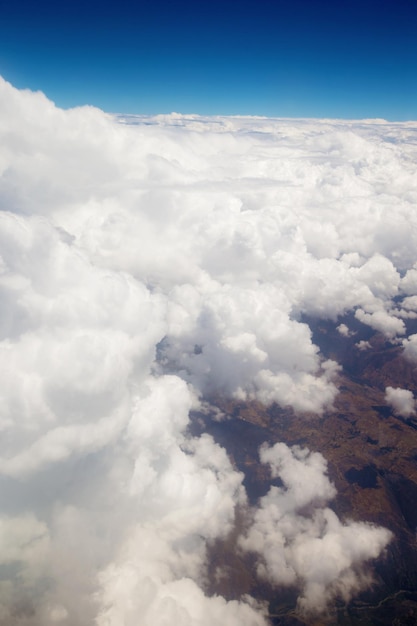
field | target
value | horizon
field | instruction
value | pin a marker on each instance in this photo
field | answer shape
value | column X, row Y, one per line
column 285, row 59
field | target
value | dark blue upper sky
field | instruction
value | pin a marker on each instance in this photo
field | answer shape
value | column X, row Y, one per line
column 291, row 58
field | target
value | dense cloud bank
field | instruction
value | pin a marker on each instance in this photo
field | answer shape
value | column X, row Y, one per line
column 147, row 263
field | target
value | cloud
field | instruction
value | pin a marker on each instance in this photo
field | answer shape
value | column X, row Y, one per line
column 382, row 321
column 344, row 330
column 300, row 542
column 73, row 337
column 242, row 342
column 181, row 602
column 363, row 345
column 401, row 400
column 150, row 264
column 408, row 283
column 410, row 348
column 186, row 492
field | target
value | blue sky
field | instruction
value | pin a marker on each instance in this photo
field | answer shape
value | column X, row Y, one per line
column 290, row 58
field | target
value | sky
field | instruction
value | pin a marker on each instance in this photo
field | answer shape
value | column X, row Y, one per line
column 285, row 58
column 150, row 265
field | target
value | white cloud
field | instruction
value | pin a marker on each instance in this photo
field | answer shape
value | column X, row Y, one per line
column 344, row 330
column 248, row 346
column 401, row 400
column 363, row 345
column 74, row 335
column 410, row 348
column 186, row 492
column 300, row 542
column 382, row 321
column 408, row 283
column 181, row 602
column 410, row 303
column 147, row 264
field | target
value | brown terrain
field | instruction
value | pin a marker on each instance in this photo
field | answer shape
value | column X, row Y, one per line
column 372, row 460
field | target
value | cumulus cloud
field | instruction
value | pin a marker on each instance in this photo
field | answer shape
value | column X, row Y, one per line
column 150, row 264
column 73, row 337
column 410, row 348
column 401, row 400
column 344, row 330
column 301, row 542
column 408, row 283
column 186, row 492
column 382, row 321
column 363, row 345
column 242, row 342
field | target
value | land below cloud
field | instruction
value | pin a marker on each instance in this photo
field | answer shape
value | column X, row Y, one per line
column 372, row 456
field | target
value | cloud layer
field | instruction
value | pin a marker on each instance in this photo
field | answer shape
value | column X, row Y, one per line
column 149, row 263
